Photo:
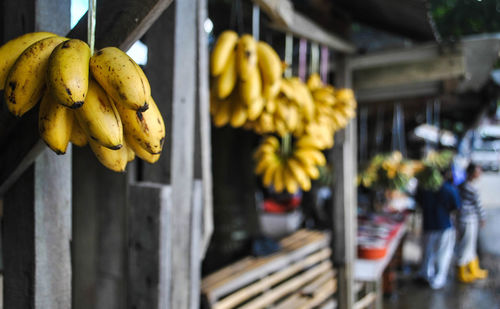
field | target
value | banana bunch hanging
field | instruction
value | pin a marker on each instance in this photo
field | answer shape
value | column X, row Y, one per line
column 287, row 169
column 246, row 76
column 102, row 99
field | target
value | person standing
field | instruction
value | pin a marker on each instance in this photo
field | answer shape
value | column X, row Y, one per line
column 439, row 232
column 470, row 217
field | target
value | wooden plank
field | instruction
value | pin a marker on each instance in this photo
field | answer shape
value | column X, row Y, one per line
column 119, row 24
column 313, row 286
column 205, row 126
column 434, row 69
column 321, row 294
column 367, row 300
column 278, row 262
column 292, row 301
column 331, row 304
column 37, row 208
column 149, row 248
column 288, row 287
column 343, row 158
column 225, row 272
column 196, row 241
column 268, row 281
column 288, row 20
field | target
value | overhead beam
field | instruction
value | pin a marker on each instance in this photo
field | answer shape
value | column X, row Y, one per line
column 435, row 69
column 286, row 19
column 117, row 25
column 398, row 92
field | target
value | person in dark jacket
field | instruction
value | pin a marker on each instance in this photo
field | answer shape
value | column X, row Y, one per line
column 470, row 217
column 439, row 232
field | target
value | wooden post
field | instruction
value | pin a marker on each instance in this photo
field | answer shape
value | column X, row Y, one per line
column 37, row 207
column 344, row 160
column 149, row 266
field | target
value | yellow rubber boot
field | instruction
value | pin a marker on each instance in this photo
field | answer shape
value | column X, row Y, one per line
column 476, row 271
column 464, row 275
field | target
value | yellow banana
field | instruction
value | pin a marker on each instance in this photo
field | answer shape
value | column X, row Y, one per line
column 246, row 57
column 10, row 51
column 147, row 127
column 255, row 108
column 270, row 106
column 264, row 162
column 26, row 79
column 271, row 91
column 78, row 136
column 68, row 72
column 251, row 87
column 311, row 170
column 266, row 122
column 314, row 81
column 288, row 90
column 55, row 122
column 290, row 182
column 227, row 79
column 121, row 77
column 278, row 181
column 225, row 45
column 268, row 176
column 99, row 118
column 272, row 141
column 141, row 152
column 239, row 115
column 130, row 152
column 324, row 96
column 223, row 113
column 115, row 160
column 296, row 169
column 308, row 142
column 269, row 63
column 316, row 156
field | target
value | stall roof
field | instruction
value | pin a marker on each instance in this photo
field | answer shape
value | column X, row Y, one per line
column 408, row 18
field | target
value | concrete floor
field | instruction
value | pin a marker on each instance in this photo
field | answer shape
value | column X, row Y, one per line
column 481, row 294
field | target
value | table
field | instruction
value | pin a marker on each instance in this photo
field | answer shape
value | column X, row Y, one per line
column 371, row 271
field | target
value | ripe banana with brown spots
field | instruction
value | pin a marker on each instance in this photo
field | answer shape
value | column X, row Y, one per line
column 55, row 123
column 115, row 160
column 100, row 119
column 26, row 80
column 121, row 77
column 146, row 128
column 68, row 72
column 10, row 51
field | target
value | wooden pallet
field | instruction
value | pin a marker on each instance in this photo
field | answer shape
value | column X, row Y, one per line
column 300, row 275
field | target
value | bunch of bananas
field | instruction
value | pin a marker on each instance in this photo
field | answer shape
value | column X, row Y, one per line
column 429, row 175
column 389, row 171
column 285, row 113
column 102, row 99
column 246, row 76
column 287, row 169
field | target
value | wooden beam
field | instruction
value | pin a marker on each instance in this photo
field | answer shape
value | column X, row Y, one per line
column 286, row 19
column 119, row 24
column 204, row 126
column 434, row 69
column 184, row 29
column 398, row 92
column 343, row 158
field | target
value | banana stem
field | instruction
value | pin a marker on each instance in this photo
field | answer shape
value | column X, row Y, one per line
column 91, row 25
column 286, row 145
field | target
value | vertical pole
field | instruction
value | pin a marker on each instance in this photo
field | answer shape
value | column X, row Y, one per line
column 37, row 208
column 343, row 158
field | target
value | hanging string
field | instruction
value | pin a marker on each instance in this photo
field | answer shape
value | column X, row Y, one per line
column 302, row 59
column 289, row 54
column 314, row 62
column 379, row 131
column 324, row 63
column 363, row 134
column 256, row 22
column 91, row 25
column 236, row 19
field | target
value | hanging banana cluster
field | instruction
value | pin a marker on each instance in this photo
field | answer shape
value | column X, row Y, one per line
column 246, row 76
column 286, row 113
column 287, row 167
column 111, row 109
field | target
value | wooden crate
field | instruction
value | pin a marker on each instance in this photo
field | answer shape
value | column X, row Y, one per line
column 300, row 275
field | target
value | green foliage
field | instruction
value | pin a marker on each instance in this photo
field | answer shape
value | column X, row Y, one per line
column 456, row 18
